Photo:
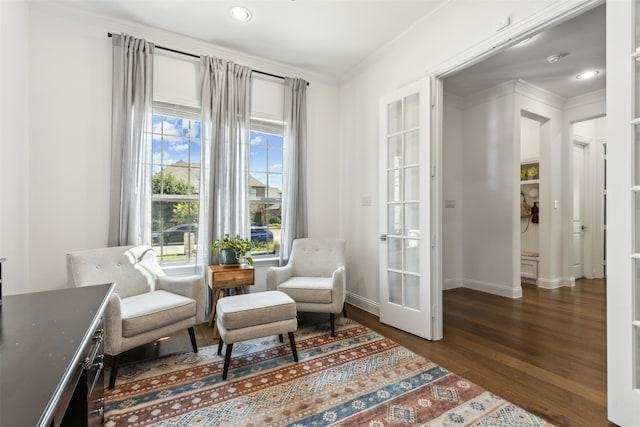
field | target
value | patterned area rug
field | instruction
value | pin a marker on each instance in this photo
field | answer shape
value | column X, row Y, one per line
column 358, row 378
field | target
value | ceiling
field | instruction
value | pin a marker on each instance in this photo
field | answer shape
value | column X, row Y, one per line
column 582, row 38
column 331, row 37
column 326, row 36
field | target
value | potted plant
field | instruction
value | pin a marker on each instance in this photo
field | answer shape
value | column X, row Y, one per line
column 232, row 249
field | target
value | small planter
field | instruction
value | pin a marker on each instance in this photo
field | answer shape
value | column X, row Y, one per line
column 232, row 250
column 228, row 257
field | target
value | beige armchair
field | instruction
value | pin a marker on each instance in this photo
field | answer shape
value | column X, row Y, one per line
column 314, row 277
column 146, row 304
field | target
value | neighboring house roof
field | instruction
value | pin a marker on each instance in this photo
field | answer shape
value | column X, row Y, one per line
column 183, row 172
column 191, row 175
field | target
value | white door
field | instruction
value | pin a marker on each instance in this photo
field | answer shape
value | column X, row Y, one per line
column 623, row 212
column 578, row 210
column 405, row 187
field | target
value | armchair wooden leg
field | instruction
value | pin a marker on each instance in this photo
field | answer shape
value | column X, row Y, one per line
column 280, row 338
column 332, row 316
column 220, row 343
column 192, row 335
column 344, row 310
column 227, row 361
column 114, row 371
column 292, row 341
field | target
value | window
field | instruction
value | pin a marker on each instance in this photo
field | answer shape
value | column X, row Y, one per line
column 265, row 188
column 175, row 182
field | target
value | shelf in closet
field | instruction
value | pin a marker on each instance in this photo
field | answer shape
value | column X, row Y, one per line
column 531, row 182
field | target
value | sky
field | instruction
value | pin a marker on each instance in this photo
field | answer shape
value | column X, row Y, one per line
column 177, row 139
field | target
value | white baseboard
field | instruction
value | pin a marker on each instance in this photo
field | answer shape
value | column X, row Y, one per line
column 493, row 288
column 452, row 284
column 363, row 303
column 550, row 283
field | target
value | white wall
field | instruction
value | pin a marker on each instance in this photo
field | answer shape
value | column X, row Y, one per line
column 490, row 163
column 14, row 145
column 452, row 184
column 69, row 87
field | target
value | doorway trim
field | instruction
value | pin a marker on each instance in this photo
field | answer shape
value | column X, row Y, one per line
column 548, row 17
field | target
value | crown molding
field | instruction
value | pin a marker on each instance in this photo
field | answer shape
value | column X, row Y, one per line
column 598, row 96
column 536, row 93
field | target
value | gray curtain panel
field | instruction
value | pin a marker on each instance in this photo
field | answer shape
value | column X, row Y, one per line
column 131, row 121
column 226, row 123
column 294, row 198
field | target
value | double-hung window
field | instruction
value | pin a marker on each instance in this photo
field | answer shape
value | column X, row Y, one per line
column 265, row 188
column 175, row 182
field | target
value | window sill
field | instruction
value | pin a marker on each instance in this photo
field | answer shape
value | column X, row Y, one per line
column 191, row 268
column 179, row 270
column 266, row 262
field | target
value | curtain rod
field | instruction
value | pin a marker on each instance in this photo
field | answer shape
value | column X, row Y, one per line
column 168, row 49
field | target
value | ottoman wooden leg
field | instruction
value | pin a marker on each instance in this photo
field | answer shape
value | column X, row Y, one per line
column 292, row 341
column 227, row 360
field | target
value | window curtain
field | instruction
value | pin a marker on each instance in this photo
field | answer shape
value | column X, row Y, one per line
column 226, row 124
column 131, row 121
column 294, row 194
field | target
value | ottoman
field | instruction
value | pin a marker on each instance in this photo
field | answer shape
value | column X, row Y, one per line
column 249, row 316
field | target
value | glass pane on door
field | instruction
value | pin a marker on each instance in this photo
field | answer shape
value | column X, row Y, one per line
column 394, row 152
column 412, row 286
column 412, row 112
column 394, row 218
column 412, row 147
column 394, row 253
column 394, row 117
column 394, row 185
column 395, row 288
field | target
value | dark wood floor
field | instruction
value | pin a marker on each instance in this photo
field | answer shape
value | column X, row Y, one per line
column 545, row 352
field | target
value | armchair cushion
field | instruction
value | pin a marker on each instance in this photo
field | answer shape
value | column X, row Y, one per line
column 154, row 310
column 309, row 289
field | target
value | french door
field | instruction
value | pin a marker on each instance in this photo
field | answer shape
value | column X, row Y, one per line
column 623, row 212
column 405, row 190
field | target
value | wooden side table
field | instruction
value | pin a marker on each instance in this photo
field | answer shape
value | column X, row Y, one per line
column 221, row 278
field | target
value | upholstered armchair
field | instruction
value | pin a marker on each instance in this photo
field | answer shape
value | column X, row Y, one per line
column 314, row 277
column 146, row 304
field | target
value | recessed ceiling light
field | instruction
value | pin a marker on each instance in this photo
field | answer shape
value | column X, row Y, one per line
column 240, row 13
column 587, row 75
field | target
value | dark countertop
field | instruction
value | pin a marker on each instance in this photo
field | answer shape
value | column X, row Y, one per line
column 41, row 338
